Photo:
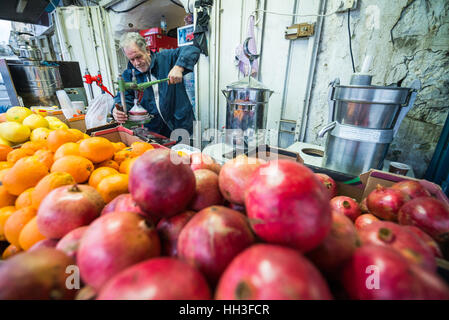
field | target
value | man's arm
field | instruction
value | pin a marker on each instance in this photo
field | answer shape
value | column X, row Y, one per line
column 184, row 59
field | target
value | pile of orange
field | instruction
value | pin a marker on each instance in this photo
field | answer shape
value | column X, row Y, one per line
column 67, row 156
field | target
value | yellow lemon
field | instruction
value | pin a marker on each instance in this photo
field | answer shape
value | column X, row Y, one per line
column 39, row 134
column 50, row 119
column 18, row 114
column 14, row 132
column 5, row 142
column 35, row 121
column 58, row 125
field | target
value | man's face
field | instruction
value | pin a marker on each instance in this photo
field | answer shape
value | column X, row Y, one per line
column 139, row 59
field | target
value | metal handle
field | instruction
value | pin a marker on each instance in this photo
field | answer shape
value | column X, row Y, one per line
column 327, row 128
column 330, row 101
column 415, row 86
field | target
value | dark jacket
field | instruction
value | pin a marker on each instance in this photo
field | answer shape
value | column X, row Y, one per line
column 173, row 100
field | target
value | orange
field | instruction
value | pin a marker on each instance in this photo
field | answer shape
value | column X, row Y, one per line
column 48, row 183
column 139, row 147
column 45, row 157
column 34, row 145
column 16, row 222
column 79, row 135
column 25, row 174
column 118, row 146
column 113, row 186
column 97, row 149
column 17, row 154
column 67, row 149
column 99, row 174
column 125, row 166
column 78, row 167
column 24, row 199
column 2, row 173
column 108, row 163
column 6, row 199
column 122, row 155
column 58, row 137
column 4, row 150
column 10, row 251
column 30, row 234
column 5, row 165
column 5, row 213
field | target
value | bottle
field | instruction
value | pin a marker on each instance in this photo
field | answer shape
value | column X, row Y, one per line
column 163, row 24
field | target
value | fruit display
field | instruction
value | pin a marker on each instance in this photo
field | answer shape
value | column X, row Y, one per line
column 145, row 222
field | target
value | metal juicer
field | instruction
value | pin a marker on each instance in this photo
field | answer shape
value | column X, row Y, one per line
column 363, row 120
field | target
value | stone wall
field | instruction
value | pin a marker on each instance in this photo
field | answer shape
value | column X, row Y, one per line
column 409, row 40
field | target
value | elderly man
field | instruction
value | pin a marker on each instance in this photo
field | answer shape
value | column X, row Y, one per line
column 167, row 101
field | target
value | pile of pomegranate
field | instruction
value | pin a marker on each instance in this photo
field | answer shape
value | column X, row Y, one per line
column 249, row 229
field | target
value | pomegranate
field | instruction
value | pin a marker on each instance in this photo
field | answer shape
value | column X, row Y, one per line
column 427, row 239
column 46, row 243
column 70, row 242
column 411, row 188
column 161, row 184
column 429, row 214
column 409, row 245
column 288, row 205
column 329, row 183
column 212, row 238
column 364, row 220
column 39, row 274
column 347, row 206
column 203, row 161
column 169, row 230
column 363, row 206
column 157, row 279
column 271, row 272
column 381, row 273
column 386, row 202
column 234, row 177
column 337, row 247
column 207, row 192
column 125, row 203
column 114, row 242
column 67, row 208
column 86, row 293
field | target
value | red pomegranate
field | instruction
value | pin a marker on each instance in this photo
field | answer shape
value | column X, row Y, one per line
column 234, row 177
column 427, row 239
column 411, row 188
column 67, row 208
column 347, row 206
column 161, row 184
column 212, row 238
column 207, row 192
column 386, row 202
column 157, row 279
column 337, row 247
column 46, row 243
column 381, row 273
column 329, row 183
column 70, row 242
column 271, row 272
column 364, row 220
column 363, row 206
column 37, row 275
column 114, row 242
column 203, row 161
column 409, row 245
column 125, row 203
column 429, row 214
column 169, row 230
column 288, row 205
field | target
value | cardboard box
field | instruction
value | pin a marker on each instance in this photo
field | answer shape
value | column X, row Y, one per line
column 114, row 133
column 269, row 153
column 77, row 122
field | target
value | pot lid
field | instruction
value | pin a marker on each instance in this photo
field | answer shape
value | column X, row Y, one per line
column 247, row 83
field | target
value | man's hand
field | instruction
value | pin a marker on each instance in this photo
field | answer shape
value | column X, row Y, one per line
column 119, row 116
column 175, row 75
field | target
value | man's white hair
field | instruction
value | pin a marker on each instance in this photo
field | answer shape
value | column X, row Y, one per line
column 130, row 38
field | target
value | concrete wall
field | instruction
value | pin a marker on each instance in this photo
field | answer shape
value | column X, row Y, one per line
column 420, row 31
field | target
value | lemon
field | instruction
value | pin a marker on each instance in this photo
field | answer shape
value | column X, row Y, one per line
column 51, row 119
column 58, row 125
column 5, row 142
column 18, row 114
column 39, row 134
column 35, row 121
column 14, row 132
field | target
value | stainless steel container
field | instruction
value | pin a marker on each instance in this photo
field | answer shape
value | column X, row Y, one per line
column 36, row 84
column 363, row 122
column 246, row 113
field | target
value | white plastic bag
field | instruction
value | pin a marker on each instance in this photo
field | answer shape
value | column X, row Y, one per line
column 98, row 111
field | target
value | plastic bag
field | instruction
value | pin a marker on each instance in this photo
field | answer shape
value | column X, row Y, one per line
column 98, row 111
